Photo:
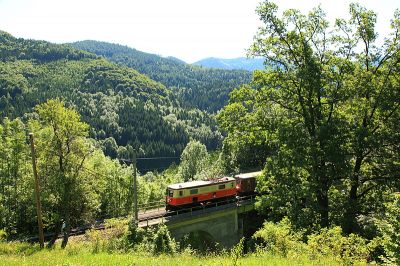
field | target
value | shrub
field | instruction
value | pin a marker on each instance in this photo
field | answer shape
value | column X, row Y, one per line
column 3, row 236
column 18, row 248
column 278, row 238
column 237, row 251
column 95, row 240
column 389, row 227
column 135, row 234
column 198, row 241
column 116, row 230
column 349, row 249
column 162, row 241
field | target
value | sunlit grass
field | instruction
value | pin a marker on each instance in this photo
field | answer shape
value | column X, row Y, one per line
column 80, row 254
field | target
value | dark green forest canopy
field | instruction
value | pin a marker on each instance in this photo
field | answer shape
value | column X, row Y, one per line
column 194, row 86
column 123, row 107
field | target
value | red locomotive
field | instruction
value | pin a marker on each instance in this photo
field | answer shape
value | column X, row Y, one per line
column 184, row 195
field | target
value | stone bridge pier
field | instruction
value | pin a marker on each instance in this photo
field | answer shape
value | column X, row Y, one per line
column 224, row 226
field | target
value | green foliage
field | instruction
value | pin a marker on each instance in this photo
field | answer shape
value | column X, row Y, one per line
column 135, row 234
column 109, row 240
column 115, row 185
column 95, row 239
column 3, row 235
column 199, row 242
column 246, row 145
column 18, row 248
column 323, row 119
column 156, row 240
column 123, row 107
column 213, row 167
column 62, row 153
column 279, row 238
column 193, row 160
column 193, row 86
column 283, row 240
column 350, row 249
column 78, row 182
column 17, row 210
column 152, row 187
column 237, row 252
column 162, row 241
column 81, row 254
column 389, row 226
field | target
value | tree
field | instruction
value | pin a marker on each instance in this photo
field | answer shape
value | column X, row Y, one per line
column 327, row 107
column 88, row 185
column 192, row 160
column 63, row 150
column 16, row 181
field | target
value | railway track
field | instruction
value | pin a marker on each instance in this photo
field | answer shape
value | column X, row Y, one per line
column 151, row 216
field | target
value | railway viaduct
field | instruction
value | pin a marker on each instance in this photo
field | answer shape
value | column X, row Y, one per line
column 223, row 224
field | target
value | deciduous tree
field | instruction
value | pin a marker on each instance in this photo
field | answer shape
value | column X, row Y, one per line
column 328, row 106
column 63, row 150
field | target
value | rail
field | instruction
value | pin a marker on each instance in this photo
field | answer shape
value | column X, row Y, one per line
column 160, row 213
column 151, row 206
column 201, row 209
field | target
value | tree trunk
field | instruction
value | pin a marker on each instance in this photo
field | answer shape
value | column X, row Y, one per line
column 67, row 230
column 323, row 200
column 57, row 231
column 67, row 215
column 350, row 217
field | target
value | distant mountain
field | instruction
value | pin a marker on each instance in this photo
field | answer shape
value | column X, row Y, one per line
column 193, row 86
column 176, row 60
column 243, row 63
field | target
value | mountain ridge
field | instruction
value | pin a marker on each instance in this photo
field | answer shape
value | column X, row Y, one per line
column 240, row 63
column 194, row 86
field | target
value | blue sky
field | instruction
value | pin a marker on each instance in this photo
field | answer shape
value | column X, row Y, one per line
column 187, row 29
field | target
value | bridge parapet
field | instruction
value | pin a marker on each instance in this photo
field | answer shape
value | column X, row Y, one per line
column 221, row 221
column 154, row 216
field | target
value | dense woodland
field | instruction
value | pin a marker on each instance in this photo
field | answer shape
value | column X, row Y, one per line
column 322, row 122
column 124, row 108
column 194, row 86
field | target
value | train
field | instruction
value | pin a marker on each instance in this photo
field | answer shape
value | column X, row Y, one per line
column 189, row 194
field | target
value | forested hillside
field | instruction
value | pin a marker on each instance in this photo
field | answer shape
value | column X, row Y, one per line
column 194, row 86
column 123, row 107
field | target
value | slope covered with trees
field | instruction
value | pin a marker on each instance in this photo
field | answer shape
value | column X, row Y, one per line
column 124, row 108
column 194, row 86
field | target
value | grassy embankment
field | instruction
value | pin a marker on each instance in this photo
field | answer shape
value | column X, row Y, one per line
column 82, row 254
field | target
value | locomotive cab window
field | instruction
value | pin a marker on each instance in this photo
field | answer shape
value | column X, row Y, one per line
column 180, row 193
column 194, row 191
column 221, row 186
column 170, row 193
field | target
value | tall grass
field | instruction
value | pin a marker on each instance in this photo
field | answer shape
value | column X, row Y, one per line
column 81, row 254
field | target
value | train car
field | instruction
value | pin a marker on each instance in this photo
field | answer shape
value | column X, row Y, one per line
column 246, row 183
column 188, row 194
